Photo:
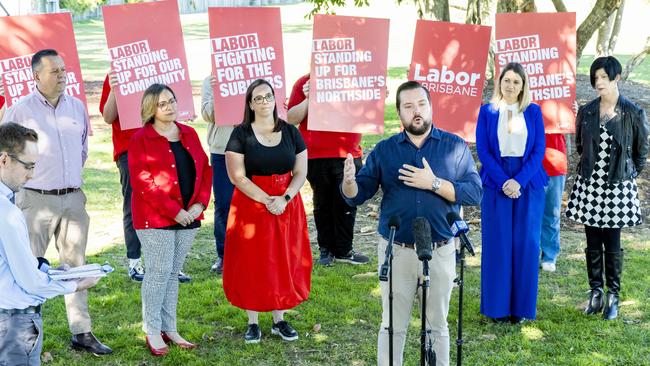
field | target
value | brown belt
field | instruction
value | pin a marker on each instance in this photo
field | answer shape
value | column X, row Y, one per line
column 436, row 244
column 54, row 192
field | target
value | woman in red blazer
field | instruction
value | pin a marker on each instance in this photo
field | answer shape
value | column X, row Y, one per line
column 171, row 181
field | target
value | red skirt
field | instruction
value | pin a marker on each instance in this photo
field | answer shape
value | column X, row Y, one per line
column 267, row 262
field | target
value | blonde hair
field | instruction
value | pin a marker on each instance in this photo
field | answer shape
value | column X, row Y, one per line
column 150, row 99
column 524, row 95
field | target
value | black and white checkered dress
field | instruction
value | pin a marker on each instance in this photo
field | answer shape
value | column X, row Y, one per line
column 594, row 202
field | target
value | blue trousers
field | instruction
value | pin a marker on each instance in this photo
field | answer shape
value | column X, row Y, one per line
column 511, row 230
column 550, row 243
column 222, row 190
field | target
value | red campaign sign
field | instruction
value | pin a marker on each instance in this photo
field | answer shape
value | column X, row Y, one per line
column 21, row 37
column 449, row 60
column 545, row 44
column 245, row 45
column 145, row 44
column 347, row 84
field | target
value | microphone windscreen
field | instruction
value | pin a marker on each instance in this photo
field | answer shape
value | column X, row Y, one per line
column 452, row 217
column 422, row 235
column 394, row 221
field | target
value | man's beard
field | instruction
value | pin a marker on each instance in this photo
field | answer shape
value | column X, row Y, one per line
column 418, row 131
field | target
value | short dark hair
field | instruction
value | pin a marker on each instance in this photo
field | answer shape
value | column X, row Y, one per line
column 409, row 85
column 611, row 66
column 249, row 114
column 38, row 56
column 14, row 136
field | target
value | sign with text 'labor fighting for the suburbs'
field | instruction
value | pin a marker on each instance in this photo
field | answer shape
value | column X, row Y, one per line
column 21, row 37
column 145, row 44
column 449, row 60
column 245, row 45
column 347, row 84
column 545, row 44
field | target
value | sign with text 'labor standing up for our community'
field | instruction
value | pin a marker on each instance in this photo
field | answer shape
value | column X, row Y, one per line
column 545, row 44
column 145, row 44
column 21, row 37
column 347, row 84
column 449, row 60
column 245, row 45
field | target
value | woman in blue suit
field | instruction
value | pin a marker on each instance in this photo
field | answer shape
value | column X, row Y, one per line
column 510, row 144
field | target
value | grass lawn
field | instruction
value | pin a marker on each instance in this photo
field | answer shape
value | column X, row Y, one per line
column 339, row 323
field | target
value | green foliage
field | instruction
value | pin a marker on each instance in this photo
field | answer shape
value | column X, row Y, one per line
column 80, row 6
column 325, row 6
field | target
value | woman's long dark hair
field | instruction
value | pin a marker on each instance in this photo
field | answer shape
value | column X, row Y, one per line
column 249, row 114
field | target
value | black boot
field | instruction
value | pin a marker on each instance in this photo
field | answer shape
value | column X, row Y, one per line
column 613, row 269
column 595, row 275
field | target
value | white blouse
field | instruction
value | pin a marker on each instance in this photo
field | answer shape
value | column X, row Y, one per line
column 513, row 134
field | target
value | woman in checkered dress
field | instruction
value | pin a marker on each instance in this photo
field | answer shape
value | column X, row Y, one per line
column 612, row 140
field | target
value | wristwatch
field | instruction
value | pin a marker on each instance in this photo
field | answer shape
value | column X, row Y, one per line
column 436, row 184
column 287, row 197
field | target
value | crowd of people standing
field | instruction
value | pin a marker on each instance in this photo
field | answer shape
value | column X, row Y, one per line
column 256, row 170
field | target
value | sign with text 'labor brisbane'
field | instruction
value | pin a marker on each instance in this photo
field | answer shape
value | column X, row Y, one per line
column 145, row 44
column 449, row 61
column 347, row 84
column 545, row 44
column 246, row 45
column 21, row 37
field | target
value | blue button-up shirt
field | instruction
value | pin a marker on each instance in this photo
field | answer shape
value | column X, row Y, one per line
column 449, row 158
column 21, row 283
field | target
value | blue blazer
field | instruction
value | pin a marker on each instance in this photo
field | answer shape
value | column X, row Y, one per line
column 487, row 147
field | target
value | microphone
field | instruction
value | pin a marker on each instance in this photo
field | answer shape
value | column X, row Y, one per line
column 458, row 229
column 393, row 224
column 422, row 235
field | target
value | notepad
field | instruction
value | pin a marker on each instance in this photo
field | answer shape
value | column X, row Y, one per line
column 88, row 270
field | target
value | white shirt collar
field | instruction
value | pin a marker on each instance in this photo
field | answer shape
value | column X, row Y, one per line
column 5, row 191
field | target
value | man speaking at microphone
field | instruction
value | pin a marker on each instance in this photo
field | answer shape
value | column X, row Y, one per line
column 423, row 172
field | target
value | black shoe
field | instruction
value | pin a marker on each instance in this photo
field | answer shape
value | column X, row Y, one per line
column 136, row 273
column 516, row 320
column 326, row 258
column 253, row 334
column 87, row 342
column 611, row 307
column 183, row 278
column 284, row 330
column 352, row 258
column 596, row 301
column 502, row 320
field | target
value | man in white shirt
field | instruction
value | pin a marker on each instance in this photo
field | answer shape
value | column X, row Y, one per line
column 22, row 285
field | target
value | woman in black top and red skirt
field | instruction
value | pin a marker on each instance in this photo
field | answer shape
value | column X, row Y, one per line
column 267, row 242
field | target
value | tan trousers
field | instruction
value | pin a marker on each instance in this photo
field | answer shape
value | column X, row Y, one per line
column 65, row 218
column 406, row 271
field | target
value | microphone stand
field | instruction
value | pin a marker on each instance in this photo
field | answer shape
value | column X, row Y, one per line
column 389, row 258
column 427, row 356
column 460, row 282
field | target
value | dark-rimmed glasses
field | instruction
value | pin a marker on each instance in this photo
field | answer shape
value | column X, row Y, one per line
column 260, row 99
column 28, row 166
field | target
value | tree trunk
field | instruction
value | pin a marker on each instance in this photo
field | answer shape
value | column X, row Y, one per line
column 527, row 6
column 441, row 10
column 613, row 38
column 636, row 60
column 600, row 12
column 473, row 12
column 507, row 6
column 602, row 43
column 559, row 6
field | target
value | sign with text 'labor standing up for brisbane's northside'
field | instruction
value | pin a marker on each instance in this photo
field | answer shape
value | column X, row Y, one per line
column 347, row 84
column 449, row 60
column 246, row 45
column 545, row 44
column 145, row 44
column 21, row 37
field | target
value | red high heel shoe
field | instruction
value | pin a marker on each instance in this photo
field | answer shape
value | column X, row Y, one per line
column 183, row 345
column 156, row 351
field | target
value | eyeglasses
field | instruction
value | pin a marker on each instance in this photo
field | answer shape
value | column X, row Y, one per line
column 28, row 166
column 166, row 104
column 260, row 99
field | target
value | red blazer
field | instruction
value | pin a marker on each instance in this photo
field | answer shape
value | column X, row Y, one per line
column 156, row 197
